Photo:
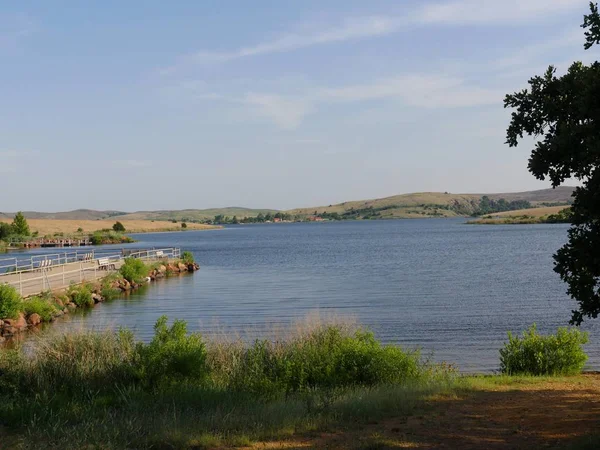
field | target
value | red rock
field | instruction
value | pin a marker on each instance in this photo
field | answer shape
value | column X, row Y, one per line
column 34, row 319
column 19, row 324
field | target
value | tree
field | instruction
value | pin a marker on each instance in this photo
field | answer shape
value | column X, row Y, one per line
column 183, row 225
column 119, row 227
column 20, row 225
column 5, row 230
column 563, row 114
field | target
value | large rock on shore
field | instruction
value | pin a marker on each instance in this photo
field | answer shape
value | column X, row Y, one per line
column 34, row 319
column 19, row 324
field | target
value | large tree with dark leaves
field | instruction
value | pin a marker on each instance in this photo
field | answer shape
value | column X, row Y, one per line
column 563, row 114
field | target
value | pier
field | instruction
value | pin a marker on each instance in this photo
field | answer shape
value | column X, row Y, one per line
column 49, row 242
column 36, row 274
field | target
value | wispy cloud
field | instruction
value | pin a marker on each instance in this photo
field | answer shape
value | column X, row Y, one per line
column 131, row 163
column 452, row 13
column 494, row 12
column 418, row 90
column 287, row 112
column 14, row 27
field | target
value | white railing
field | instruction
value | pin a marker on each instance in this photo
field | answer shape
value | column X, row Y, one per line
column 17, row 265
column 73, row 268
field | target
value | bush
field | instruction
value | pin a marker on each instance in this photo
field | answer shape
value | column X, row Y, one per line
column 40, row 306
column 134, row 270
column 187, row 257
column 183, row 225
column 118, row 227
column 81, row 295
column 11, row 303
column 329, row 357
column 173, row 355
column 534, row 354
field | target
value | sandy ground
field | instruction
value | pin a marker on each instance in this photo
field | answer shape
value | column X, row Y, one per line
column 51, row 226
column 555, row 414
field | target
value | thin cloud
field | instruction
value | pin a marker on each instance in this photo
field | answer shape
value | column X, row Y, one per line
column 493, row 12
column 14, row 27
column 419, row 90
column 454, row 13
column 132, row 163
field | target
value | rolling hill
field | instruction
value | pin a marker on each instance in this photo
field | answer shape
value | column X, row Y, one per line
column 420, row 204
column 435, row 204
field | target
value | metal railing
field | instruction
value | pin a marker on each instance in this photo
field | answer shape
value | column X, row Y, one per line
column 16, row 265
column 76, row 267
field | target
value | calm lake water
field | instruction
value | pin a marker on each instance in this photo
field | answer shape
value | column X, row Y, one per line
column 450, row 288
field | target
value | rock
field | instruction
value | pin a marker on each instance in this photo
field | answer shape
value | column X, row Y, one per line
column 59, row 313
column 182, row 267
column 9, row 330
column 96, row 297
column 34, row 319
column 162, row 268
column 20, row 323
column 65, row 311
column 71, row 305
column 59, row 302
column 2, row 339
column 1, row 323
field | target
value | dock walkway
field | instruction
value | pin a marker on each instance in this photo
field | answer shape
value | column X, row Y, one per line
column 33, row 277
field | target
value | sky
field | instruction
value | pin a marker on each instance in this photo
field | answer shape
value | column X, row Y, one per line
column 145, row 105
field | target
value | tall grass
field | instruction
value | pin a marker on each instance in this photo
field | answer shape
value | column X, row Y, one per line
column 179, row 391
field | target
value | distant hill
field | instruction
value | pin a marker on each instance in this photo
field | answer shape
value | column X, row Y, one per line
column 436, row 204
column 188, row 215
column 78, row 214
column 420, row 204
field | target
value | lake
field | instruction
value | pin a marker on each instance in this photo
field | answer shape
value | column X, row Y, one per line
column 452, row 289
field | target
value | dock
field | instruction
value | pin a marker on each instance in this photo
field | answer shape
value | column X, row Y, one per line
column 36, row 274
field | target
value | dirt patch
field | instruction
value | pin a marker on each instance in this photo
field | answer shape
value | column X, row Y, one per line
column 550, row 414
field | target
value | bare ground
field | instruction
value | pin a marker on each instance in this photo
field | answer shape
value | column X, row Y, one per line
column 549, row 414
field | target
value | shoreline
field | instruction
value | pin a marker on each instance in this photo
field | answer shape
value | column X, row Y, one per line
column 47, row 307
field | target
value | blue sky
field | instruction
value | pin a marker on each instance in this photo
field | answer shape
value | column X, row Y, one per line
column 194, row 104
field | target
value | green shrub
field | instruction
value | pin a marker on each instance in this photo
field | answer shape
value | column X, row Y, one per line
column 535, row 354
column 187, row 257
column 329, row 357
column 172, row 355
column 40, row 306
column 134, row 270
column 11, row 303
column 107, row 290
column 81, row 295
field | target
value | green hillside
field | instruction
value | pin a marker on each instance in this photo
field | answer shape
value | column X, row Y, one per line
column 420, row 204
column 433, row 204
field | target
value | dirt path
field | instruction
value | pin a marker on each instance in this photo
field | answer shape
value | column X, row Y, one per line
column 555, row 414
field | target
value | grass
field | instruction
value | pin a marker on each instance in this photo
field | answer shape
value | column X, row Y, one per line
column 70, row 227
column 328, row 384
column 105, row 389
